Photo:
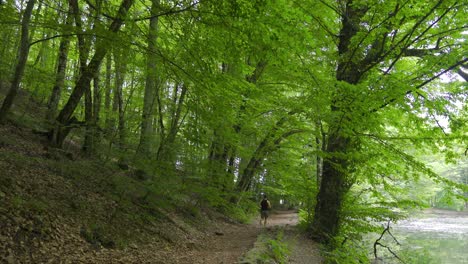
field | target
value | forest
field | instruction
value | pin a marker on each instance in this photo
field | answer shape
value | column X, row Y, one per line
column 352, row 112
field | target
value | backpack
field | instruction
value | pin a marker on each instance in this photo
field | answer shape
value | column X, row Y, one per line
column 265, row 204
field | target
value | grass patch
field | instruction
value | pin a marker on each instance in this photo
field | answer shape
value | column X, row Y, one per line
column 270, row 248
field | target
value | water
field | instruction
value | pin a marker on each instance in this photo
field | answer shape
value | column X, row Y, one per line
column 435, row 237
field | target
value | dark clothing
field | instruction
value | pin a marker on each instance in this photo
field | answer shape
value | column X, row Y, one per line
column 265, row 205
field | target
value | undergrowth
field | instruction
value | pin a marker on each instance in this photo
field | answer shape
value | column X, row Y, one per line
column 270, row 248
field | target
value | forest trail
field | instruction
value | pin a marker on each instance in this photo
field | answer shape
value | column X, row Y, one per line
column 237, row 240
column 303, row 249
column 55, row 236
column 225, row 245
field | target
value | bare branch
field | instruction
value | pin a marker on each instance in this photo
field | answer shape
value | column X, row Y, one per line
column 418, row 52
column 52, row 37
column 408, row 36
column 462, row 73
column 377, row 243
column 442, row 73
column 454, row 66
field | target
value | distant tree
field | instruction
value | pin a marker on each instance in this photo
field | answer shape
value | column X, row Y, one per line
column 151, row 83
column 64, row 119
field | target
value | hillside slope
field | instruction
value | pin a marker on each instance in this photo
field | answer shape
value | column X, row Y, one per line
column 57, row 206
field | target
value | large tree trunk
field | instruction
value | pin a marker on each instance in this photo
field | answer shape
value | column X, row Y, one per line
column 59, row 134
column 21, row 62
column 335, row 182
column 150, row 85
column 334, row 185
column 83, row 54
column 32, row 34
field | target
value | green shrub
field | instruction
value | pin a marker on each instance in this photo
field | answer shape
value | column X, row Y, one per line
column 268, row 249
column 278, row 249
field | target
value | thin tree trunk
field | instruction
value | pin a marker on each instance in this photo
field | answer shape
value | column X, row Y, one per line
column 259, row 154
column 167, row 142
column 118, row 107
column 97, row 98
column 222, row 155
column 33, row 30
column 320, row 145
column 122, row 132
column 247, row 175
column 107, row 97
column 59, row 134
column 92, row 98
column 60, row 75
column 150, row 85
column 88, row 138
column 21, row 62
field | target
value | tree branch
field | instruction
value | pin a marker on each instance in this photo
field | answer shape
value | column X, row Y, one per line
column 462, row 73
column 457, row 64
column 52, row 37
column 377, row 243
column 462, row 62
column 168, row 12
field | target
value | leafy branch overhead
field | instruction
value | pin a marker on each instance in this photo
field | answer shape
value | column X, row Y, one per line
column 333, row 105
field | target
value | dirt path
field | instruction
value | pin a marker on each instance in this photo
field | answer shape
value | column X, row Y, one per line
column 283, row 218
column 224, row 246
column 236, row 240
column 303, row 250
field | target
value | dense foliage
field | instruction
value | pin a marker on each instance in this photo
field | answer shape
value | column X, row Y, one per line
column 348, row 108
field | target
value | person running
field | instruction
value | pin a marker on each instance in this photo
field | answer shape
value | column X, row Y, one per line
column 265, row 206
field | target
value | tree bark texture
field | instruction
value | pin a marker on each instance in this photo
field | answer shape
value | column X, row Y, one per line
column 269, row 143
column 21, row 61
column 83, row 83
column 60, row 75
column 167, row 142
column 150, row 84
column 92, row 97
column 117, row 106
column 107, row 96
column 335, row 182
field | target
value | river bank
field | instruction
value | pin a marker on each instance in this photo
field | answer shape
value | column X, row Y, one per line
column 434, row 236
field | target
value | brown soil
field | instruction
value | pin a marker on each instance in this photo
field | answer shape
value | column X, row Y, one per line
column 33, row 230
column 303, row 249
column 225, row 247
